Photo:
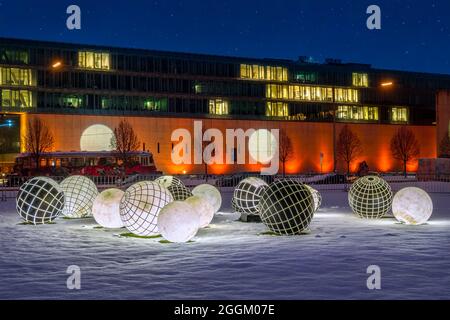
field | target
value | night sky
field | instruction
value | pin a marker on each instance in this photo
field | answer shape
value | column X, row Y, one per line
column 415, row 34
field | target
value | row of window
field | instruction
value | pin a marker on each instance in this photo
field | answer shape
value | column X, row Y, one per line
column 16, row 77
column 369, row 113
column 258, row 72
column 311, row 93
column 94, row 60
column 360, row 79
column 17, row 98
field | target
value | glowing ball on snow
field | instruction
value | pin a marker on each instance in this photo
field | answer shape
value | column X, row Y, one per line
column 317, row 197
column 167, row 181
column 370, row 197
column 203, row 209
column 210, row 194
column 179, row 193
column 40, row 200
column 286, row 207
column 412, row 206
column 178, row 222
column 80, row 193
column 247, row 194
column 140, row 206
column 106, row 208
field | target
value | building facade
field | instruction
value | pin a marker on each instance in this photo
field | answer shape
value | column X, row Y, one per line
column 80, row 89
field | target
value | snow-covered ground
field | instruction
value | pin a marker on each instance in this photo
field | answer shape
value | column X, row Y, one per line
column 231, row 259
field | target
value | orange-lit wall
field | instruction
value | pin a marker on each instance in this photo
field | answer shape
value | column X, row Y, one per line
column 309, row 140
column 443, row 115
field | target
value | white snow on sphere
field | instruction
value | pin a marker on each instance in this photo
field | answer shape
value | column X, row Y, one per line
column 40, row 200
column 316, row 196
column 412, row 206
column 167, row 181
column 210, row 194
column 178, row 222
column 203, row 209
column 80, row 193
column 370, row 197
column 247, row 194
column 140, row 206
column 106, row 208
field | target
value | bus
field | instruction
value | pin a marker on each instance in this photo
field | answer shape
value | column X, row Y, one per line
column 88, row 163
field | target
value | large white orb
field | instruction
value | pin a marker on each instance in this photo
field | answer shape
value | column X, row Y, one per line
column 247, row 194
column 316, row 196
column 168, row 181
column 140, row 206
column 40, row 200
column 96, row 138
column 106, row 208
column 412, row 206
column 210, row 194
column 262, row 146
column 203, row 209
column 178, row 222
column 80, row 193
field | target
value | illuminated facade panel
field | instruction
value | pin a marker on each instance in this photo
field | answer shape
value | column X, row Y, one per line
column 218, row 107
column 16, row 77
column 94, row 60
column 299, row 92
column 277, row 109
column 360, row 79
column 358, row 113
column 258, row 72
column 399, row 114
column 16, row 98
column 346, row 95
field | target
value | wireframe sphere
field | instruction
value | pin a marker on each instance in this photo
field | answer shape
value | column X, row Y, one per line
column 203, row 209
column 317, row 197
column 370, row 197
column 412, row 206
column 286, row 207
column 247, row 194
column 178, row 222
column 140, row 206
column 80, row 193
column 179, row 192
column 167, row 181
column 106, row 208
column 40, row 200
column 210, row 194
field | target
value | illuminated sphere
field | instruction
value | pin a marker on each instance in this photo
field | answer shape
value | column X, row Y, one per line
column 178, row 222
column 96, row 138
column 167, row 181
column 106, row 208
column 80, row 193
column 317, row 197
column 210, row 194
column 140, row 206
column 412, row 206
column 203, row 209
column 40, row 200
column 286, row 207
column 247, row 194
column 179, row 193
column 233, row 205
column 370, row 197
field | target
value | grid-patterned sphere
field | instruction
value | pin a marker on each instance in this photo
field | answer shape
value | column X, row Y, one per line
column 40, row 200
column 317, row 197
column 247, row 194
column 80, row 193
column 370, row 197
column 140, row 206
column 167, row 181
column 179, row 193
column 286, row 207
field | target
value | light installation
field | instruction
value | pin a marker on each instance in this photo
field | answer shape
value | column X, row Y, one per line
column 247, row 194
column 316, row 196
column 179, row 192
column 203, row 209
column 106, row 208
column 167, row 181
column 178, row 222
column 80, row 193
column 412, row 206
column 210, row 194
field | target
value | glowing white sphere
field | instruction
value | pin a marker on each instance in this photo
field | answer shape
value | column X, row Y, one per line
column 210, row 194
column 178, row 222
column 316, row 196
column 203, row 209
column 80, row 193
column 167, row 181
column 247, row 194
column 96, row 138
column 140, row 206
column 262, row 145
column 106, row 208
column 412, row 206
column 40, row 200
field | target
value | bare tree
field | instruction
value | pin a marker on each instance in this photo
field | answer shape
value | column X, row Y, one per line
column 404, row 146
column 38, row 139
column 125, row 141
column 348, row 146
column 444, row 147
column 285, row 149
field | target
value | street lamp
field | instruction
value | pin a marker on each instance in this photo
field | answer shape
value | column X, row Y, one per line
column 387, row 84
column 56, row 64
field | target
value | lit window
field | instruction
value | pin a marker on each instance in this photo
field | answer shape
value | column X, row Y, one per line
column 16, row 98
column 346, row 95
column 306, row 77
column 218, row 107
column 257, row 72
column 358, row 113
column 299, row 92
column 399, row 114
column 16, row 77
column 360, row 79
column 72, row 102
column 277, row 109
column 14, row 56
column 94, row 60
column 153, row 104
